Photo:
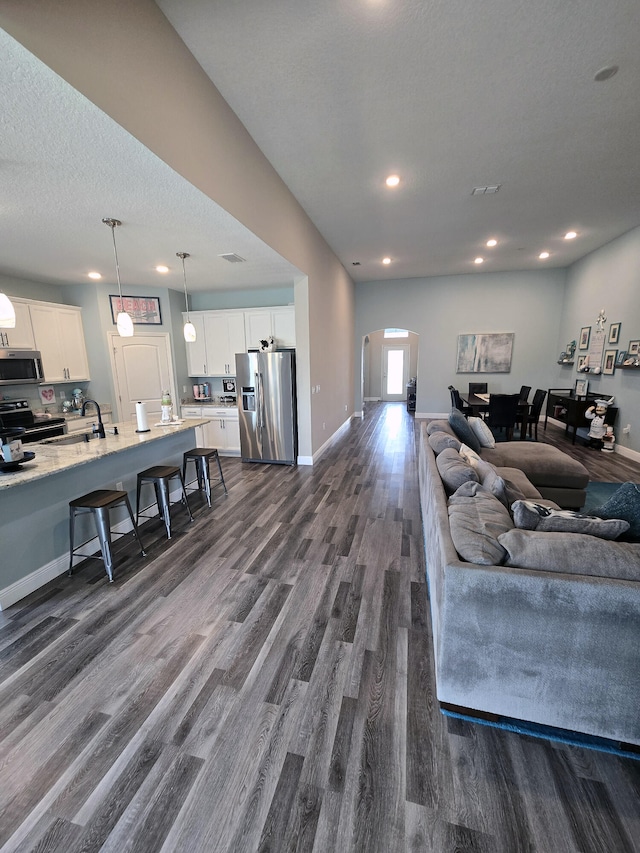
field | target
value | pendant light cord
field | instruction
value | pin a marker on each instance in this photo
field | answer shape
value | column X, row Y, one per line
column 184, row 255
column 112, row 224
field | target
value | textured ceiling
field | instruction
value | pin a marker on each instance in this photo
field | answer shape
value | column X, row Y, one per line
column 450, row 94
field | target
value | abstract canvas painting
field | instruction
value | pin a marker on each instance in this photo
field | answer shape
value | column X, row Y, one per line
column 485, row 353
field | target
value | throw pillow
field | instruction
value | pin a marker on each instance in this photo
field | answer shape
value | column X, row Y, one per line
column 625, row 504
column 529, row 515
column 453, row 470
column 439, row 425
column 491, row 480
column 439, row 441
column 482, row 432
column 469, row 455
column 573, row 553
column 459, row 425
column 476, row 519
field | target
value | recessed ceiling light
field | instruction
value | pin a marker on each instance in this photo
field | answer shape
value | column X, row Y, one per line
column 355, row 263
column 606, row 73
column 162, row 268
column 543, row 256
column 491, row 243
column 570, row 235
column 393, row 181
column 95, row 275
column 479, row 261
column 386, row 260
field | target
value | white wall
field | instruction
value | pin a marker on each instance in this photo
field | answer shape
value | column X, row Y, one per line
column 373, row 355
column 608, row 278
column 440, row 308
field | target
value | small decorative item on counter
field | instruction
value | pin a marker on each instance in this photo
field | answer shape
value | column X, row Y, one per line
column 67, row 407
column 77, row 399
column 608, row 440
column 167, row 407
column 596, row 414
column 12, row 449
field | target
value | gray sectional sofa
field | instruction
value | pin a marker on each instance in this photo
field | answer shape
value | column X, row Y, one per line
column 527, row 625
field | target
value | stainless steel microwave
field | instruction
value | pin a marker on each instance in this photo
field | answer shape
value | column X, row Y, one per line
column 20, row 367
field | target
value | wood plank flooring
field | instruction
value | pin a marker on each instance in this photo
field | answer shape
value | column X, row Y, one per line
column 264, row 682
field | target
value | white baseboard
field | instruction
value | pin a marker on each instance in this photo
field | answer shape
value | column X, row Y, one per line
column 372, row 399
column 321, row 450
column 432, row 415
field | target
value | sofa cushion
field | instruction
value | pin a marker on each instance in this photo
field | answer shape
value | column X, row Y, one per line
column 530, row 515
column 482, row 431
column 543, row 464
column 504, row 483
column 625, row 504
column 476, row 519
column 440, row 441
column 574, row 553
column 453, row 470
column 462, row 429
column 439, row 425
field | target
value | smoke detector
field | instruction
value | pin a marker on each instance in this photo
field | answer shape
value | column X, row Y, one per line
column 233, row 258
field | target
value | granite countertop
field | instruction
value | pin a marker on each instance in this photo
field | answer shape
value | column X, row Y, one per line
column 50, row 458
column 210, row 404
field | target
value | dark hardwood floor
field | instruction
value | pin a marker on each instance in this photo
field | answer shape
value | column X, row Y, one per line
column 264, row 682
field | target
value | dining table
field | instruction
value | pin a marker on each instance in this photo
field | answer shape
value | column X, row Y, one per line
column 479, row 404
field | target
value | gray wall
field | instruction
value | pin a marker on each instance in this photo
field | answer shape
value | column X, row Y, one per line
column 440, row 308
column 608, row 278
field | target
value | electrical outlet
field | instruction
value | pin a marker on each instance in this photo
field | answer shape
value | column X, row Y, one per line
column 119, row 487
column 324, row 426
column 627, row 429
column 346, row 408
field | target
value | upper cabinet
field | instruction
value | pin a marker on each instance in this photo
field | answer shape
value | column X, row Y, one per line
column 219, row 336
column 58, row 334
column 21, row 337
column 279, row 321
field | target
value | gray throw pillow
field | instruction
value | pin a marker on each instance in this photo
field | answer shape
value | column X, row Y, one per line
column 625, row 504
column 573, row 553
column 453, row 470
column 459, row 425
column 440, row 441
column 439, row 425
column 529, row 515
column 476, row 519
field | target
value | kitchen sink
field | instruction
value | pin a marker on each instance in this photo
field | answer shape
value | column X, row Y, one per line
column 70, row 438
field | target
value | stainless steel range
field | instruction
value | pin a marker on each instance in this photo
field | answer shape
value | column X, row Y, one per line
column 16, row 413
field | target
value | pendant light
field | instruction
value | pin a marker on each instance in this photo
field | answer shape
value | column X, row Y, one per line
column 124, row 323
column 7, row 313
column 189, row 328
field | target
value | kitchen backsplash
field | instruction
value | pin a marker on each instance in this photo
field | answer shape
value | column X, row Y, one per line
column 31, row 393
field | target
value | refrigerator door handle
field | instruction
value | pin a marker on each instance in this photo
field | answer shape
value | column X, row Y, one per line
column 260, row 418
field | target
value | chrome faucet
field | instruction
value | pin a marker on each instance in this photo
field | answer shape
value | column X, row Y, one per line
column 99, row 431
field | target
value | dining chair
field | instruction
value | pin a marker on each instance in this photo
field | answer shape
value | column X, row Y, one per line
column 477, row 388
column 524, row 393
column 535, row 411
column 457, row 403
column 503, row 412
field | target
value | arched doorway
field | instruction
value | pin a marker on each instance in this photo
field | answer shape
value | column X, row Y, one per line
column 389, row 362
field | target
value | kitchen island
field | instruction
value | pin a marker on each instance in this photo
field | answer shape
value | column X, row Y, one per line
column 34, row 500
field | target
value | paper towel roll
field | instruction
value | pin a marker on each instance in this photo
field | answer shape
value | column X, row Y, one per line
column 141, row 417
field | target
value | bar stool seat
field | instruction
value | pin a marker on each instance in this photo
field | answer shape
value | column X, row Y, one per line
column 99, row 503
column 160, row 476
column 201, row 456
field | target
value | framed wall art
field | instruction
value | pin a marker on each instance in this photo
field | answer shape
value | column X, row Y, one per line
column 581, row 387
column 609, row 362
column 622, row 354
column 143, row 310
column 634, row 348
column 585, row 334
column 614, row 333
column 581, row 361
column 485, row 352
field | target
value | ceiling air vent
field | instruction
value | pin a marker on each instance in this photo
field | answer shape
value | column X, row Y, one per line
column 485, row 190
column 233, row 258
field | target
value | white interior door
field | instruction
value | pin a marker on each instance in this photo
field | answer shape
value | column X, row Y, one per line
column 142, row 370
column 395, row 373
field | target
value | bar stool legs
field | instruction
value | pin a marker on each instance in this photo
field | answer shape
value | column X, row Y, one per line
column 99, row 503
column 160, row 476
column 201, row 457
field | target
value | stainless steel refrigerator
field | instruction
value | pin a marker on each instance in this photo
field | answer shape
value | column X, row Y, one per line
column 266, row 383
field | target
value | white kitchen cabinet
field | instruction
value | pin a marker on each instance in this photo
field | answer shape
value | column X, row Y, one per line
column 58, row 334
column 279, row 321
column 219, row 336
column 222, row 430
column 21, row 337
column 85, row 424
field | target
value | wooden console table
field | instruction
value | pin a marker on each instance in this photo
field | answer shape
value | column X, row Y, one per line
column 564, row 406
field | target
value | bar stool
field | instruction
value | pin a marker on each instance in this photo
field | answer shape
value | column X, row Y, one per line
column 201, row 456
column 99, row 503
column 160, row 476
